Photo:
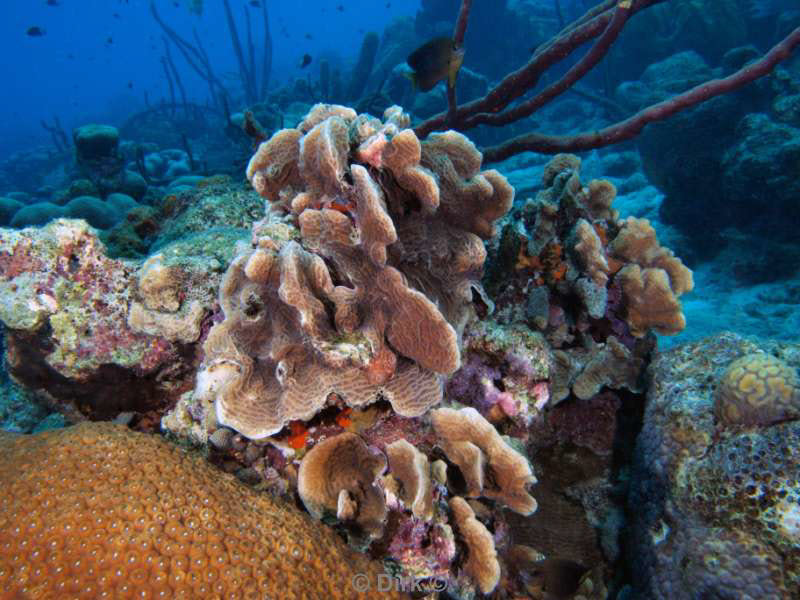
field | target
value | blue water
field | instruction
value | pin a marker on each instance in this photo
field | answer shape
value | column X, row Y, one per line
column 75, row 72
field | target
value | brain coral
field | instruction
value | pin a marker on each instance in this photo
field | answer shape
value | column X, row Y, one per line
column 757, row 389
column 97, row 511
column 371, row 300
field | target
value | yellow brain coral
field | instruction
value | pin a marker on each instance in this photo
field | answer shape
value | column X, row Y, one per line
column 757, row 389
column 98, row 511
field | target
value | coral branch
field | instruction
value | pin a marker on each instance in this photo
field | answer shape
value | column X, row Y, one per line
column 578, row 71
column 520, row 81
column 458, row 40
column 604, row 22
column 630, row 127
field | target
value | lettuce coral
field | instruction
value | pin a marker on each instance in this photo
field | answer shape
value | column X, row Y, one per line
column 371, row 300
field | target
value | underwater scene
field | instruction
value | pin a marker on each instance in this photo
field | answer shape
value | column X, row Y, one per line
column 423, row 299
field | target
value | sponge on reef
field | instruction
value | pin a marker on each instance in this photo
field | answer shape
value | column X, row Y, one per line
column 96, row 510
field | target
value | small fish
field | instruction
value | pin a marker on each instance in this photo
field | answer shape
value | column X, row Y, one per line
column 116, row 16
column 305, row 61
column 434, row 61
column 52, row 2
column 308, row 36
column 340, row 8
column 255, row 3
column 109, row 40
column 35, row 31
column 130, row 85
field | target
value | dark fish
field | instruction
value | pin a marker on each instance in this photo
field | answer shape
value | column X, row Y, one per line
column 434, row 61
column 35, row 31
column 305, row 61
column 130, row 85
column 255, row 3
column 309, row 36
column 109, row 41
column 340, row 8
column 116, row 16
column 52, row 2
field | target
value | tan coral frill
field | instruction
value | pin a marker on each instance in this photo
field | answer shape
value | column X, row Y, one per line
column 370, row 301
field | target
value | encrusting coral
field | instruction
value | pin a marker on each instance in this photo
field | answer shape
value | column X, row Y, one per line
column 371, row 301
column 714, row 492
column 96, row 510
column 338, row 476
column 491, row 468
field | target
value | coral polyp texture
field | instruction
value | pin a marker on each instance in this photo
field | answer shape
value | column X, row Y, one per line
column 96, row 511
column 716, row 490
column 370, row 300
column 757, row 389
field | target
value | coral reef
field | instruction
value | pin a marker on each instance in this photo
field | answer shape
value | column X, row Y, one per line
column 372, row 300
column 78, row 323
column 491, row 467
column 338, row 476
column 95, row 510
column 482, row 564
column 593, row 284
column 729, row 520
column 741, row 175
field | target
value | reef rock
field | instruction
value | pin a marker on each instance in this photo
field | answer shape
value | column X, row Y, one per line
column 91, row 333
column 716, row 478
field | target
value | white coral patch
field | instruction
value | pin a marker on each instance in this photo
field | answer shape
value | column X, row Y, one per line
column 789, row 519
column 214, row 377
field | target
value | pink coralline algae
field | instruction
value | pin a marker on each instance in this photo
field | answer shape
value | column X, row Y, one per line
column 65, row 307
column 67, row 282
column 505, row 372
